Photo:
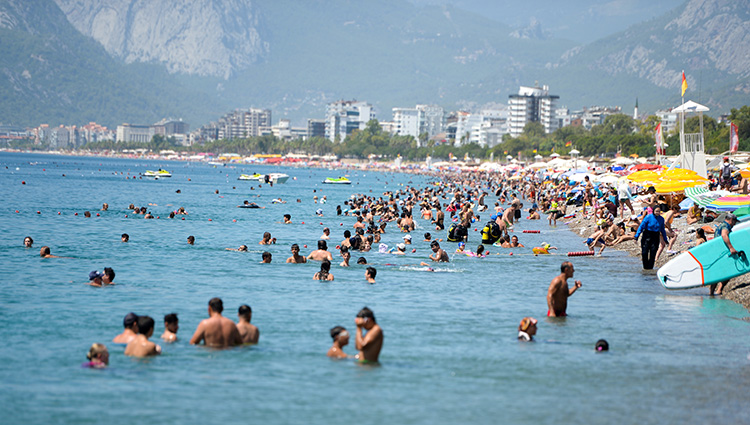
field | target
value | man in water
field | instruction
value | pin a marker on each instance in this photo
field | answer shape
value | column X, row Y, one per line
column 140, row 346
column 296, row 258
column 326, row 234
column 723, row 230
column 249, row 333
column 171, row 325
column 130, row 323
column 217, row 331
column 45, row 252
column 95, row 278
column 370, row 274
column 108, row 277
column 340, row 339
column 191, row 240
column 125, row 237
column 321, row 253
column 369, row 337
column 527, row 329
column 439, row 254
column 266, row 257
column 558, row 293
column 287, row 219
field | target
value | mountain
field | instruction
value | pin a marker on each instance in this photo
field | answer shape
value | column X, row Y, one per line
column 50, row 73
column 708, row 39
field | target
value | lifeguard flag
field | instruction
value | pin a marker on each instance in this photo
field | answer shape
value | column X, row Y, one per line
column 568, row 144
column 659, row 136
column 684, row 83
column 734, row 138
column 534, row 150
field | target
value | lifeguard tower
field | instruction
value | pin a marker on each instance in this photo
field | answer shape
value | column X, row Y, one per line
column 692, row 153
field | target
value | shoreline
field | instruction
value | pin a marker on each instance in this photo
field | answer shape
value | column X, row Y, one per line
column 737, row 289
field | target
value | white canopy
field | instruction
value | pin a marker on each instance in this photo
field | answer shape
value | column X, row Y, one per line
column 538, row 157
column 623, row 160
column 574, row 152
column 690, row 106
column 554, row 155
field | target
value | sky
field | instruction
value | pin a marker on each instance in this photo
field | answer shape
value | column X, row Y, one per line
column 581, row 21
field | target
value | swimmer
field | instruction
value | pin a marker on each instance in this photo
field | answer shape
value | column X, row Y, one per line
column 287, row 219
column 544, row 249
column 242, row 248
column 427, row 237
column 105, row 206
column 266, row 256
column 400, row 249
column 340, row 339
column 326, row 234
column 601, row 345
column 321, row 253
column 124, row 237
column 346, row 255
column 28, row 242
column 296, row 258
column 98, row 357
column 370, row 274
column 527, row 329
column 108, row 276
column 325, row 271
column 361, row 260
column 558, row 292
column 407, row 239
column 514, row 242
column 439, row 255
column 248, row 332
column 171, row 325
column 87, row 214
column 44, row 252
column 140, row 346
column 267, row 240
column 95, row 278
column 130, row 323
column 217, row 331
column 278, row 201
column 191, row 240
column 369, row 337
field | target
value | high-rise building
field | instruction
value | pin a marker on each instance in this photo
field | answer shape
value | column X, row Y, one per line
column 406, row 122
column 316, row 128
column 532, row 104
column 429, row 119
column 345, row 116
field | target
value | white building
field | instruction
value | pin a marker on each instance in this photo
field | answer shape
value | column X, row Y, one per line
column 345, row 116
column 669, row 120
column 485, row 128
column 135, row 133
column 532, row 104
column 406, row 122
column 422, row 119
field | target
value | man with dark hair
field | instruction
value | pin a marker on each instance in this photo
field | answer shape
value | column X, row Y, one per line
column 558, row 292
column 370, row 274
column 369, row 338
column 108, row 277
column 296, row 258
column 191, row 240
column 321, row 253
column 361, row 260
column 130, row 323
column 125, row 237
column 248, row 332
column 140, row 346
column 217, row 331
column 653, row 229
column 171, row 325
column 438, row 255
column 266, row 256
column 340, row 338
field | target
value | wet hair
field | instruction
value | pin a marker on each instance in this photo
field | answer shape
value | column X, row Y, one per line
column 145, row 324
column 125, row 236
column 266, row 235
column 372, row 272
column 245, row 310
column 344, row 250
column 336, row 330
column 322, row 245
column 288, row 216
column 86, row 214
column 216, row 304
column 700, row 232
column 95, row 350
column 361, row 260
column 44, row 251
column 171, row 214
column 171, row 318
column 565, row 266
column 427, row 236
column 295, row 246
column 434, row 244
column 266, row 256
column 191, row 238
column 366, row 313
column 110, row 273
column 325, row 268
column 29, row 238
column 347, row 234
column 480, row 249
column 602, row 345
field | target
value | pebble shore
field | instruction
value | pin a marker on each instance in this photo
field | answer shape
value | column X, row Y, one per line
column 737, row 290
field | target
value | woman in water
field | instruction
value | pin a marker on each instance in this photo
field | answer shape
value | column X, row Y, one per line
column 324, row 273
column 98, row 357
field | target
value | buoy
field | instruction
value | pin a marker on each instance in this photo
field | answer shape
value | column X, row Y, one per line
column 210, row 219
column 338, row 246
column 341, row 224
column 75, row 214
column 58, row 213
column 303, row 222
column 305, row 246
column 38, row 212
column 532, row 231
column 413, row 250
column 97, row 214
column 23, row 182
column 475, row 229
column 189, row 180
column 510, row 253
column 321, row 223
column 157, row 217
column 234, row 220
column 126, row 216
column 580, row 253
column 183, row 218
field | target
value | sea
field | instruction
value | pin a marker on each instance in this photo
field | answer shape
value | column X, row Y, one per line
column 450, row 352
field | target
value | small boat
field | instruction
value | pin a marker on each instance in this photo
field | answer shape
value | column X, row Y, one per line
column 274, row 178
column 340, row 180
column 157, row 174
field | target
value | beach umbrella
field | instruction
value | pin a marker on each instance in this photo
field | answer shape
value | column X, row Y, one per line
column 729, row 203
column 608, row 178
column 742, row 211
column 745, row 173
column 644, row 176
column 639, row 167
column 554, row 155
column 682, row 174
column 672, row 186
column 579, row 177
column 703, row 196
column 538, row 165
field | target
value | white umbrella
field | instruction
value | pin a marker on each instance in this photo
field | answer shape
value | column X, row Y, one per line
column 538, row 165
column 538, row 157
column 623, row 160
column 579, row 177
column 608, row 178
column 554, row 155
column 574, row 152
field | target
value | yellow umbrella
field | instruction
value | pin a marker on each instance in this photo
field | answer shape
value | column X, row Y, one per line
column 672, row 186
column 745, row 173
column 643, row 176
column 682, row 174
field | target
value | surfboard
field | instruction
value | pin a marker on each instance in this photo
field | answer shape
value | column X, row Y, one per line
column 709, row 262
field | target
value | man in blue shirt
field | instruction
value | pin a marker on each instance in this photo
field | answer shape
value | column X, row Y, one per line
column 652, row 228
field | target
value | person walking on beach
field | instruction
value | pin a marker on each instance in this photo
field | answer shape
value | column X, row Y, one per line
column 722, row 231
column 369, row 337
column 653, row 230
column 217, row 331
column 558, row 292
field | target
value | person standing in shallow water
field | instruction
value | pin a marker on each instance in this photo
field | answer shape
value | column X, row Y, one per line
column 217, row 331
column 558, row 292
column 340, row 339
column 369, row 337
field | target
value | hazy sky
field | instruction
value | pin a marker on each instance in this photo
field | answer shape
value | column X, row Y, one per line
column 578, row 20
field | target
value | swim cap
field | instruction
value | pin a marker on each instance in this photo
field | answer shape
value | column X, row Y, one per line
column 602, row 345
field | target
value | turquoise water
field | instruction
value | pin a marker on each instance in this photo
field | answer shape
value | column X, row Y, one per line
column 450, row 353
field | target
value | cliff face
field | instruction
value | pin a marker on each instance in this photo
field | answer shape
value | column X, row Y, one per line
column 202, row 37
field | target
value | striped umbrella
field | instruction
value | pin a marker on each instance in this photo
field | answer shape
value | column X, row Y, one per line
column 703, row 196
column 729, row 203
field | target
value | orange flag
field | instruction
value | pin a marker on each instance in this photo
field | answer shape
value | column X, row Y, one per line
column 684, row 84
